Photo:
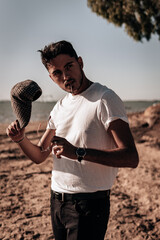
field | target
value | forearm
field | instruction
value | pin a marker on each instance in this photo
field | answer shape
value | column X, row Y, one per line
column 125, row 156
column 119, row 157
column 32, row 151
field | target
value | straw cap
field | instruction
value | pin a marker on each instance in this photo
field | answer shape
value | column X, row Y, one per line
column 22, row 96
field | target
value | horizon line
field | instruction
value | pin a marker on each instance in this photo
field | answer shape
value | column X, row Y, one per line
column 55, row 100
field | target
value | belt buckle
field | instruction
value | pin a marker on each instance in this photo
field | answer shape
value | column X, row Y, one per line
column 60, row 196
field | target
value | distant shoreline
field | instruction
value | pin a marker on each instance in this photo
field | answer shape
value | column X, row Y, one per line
column 42, row 109
column 133, row 100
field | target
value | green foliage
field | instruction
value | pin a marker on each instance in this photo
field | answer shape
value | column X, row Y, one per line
column 141, row 18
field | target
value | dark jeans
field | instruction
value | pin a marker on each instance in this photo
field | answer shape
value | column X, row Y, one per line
column 80, row 219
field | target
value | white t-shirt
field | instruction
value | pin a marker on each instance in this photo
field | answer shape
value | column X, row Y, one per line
column 83, row 120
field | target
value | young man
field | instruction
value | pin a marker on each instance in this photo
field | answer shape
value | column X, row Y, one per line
column 89, row 136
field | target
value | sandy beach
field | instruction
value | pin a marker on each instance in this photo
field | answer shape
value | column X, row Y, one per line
column 135, row 196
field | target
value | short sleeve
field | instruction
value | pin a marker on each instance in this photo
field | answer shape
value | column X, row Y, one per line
column 51, row 124
column 111, row 108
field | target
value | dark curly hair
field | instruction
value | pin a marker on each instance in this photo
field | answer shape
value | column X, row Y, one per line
column 52, row 50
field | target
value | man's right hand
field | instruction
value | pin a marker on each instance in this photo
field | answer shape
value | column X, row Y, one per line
column 15, row 132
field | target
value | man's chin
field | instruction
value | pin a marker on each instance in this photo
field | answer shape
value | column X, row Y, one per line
column 68, row 89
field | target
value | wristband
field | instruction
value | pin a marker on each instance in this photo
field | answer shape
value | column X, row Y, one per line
column 19, row 140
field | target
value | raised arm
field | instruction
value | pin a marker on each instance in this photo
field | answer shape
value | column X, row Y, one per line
column 37, row 153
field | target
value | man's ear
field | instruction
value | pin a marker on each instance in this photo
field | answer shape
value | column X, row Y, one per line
column 80, row 61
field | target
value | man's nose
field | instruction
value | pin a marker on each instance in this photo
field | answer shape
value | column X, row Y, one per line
column 65, row 76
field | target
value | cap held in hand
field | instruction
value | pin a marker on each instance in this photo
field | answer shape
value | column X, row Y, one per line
column 22, row 96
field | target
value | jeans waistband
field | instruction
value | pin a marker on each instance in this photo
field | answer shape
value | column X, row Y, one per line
column 79, row 196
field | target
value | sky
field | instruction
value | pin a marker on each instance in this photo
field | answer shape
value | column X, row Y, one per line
column 110, row 56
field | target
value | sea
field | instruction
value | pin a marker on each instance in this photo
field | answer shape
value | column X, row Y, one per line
column 41, row 110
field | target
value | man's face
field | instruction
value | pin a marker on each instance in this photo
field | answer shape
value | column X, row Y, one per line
column 67, row 72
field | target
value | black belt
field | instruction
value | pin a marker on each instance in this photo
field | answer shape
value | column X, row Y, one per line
column 79, row 196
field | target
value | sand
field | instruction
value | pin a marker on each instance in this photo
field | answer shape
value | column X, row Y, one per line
column 135, row 201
